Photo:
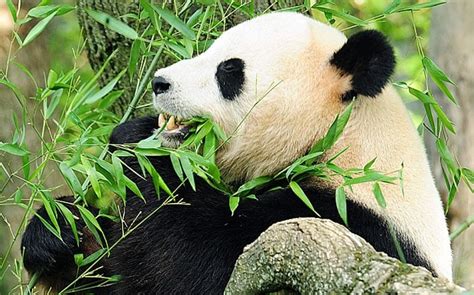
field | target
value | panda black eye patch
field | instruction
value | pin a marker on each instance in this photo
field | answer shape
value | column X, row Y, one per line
column 230, row 77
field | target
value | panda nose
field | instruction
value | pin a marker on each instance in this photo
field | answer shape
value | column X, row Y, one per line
column 160, row 85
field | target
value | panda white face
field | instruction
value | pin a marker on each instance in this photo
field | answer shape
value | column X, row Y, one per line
column 258, row 70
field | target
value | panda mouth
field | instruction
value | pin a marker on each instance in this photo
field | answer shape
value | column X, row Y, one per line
column 172, row 128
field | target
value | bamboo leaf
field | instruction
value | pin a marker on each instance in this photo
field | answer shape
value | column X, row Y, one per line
column 134, row 56
column 233, row 204
column 175, row 22
column 444, row 118
column 342, row 15
column 133, row 187
column 91, row 223
column 418, row 6
column 177, row 166
column 71, row 179
column 70, row 218
column 295, row 187
column 423, row 97
column 113, row 23
column 45, row 10
column 379, row 195
column 93, row 257
column 12, row 9
column 13, row 149
column 252, row 184
column 188, row 171
column 36, row 30
column 104, row 91
column 439, row 78
column 341, row 204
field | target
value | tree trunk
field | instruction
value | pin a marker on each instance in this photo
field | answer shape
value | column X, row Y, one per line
column 452, row 47
column 318, row 256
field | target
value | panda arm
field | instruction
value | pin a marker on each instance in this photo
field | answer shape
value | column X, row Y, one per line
column 133, row 131
column 52, row 258
column 46, row 254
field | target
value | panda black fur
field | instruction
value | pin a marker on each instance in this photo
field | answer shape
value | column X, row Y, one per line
column 192, row 249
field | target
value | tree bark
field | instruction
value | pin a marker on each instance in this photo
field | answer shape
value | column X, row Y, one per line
column 102, row 42
column 451, row 46
column 317, row 256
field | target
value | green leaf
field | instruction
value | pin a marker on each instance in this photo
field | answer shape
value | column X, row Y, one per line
column 210, row 147
column 12, row 9
column 252, row 184
column 179, row 49
column 118, row 169
column 133, row 187
column 45, row 10
column 70, row 218
column 36, row 30
column 18, row 196
column 177, row 166
column 175, row 22
column 418, row 6
column 295, row 187
column 188, row 171
column 446, row 155
column 113, row 23
column 233, row 204
column 369, row 164
column 307, row 159
column 104, row 91
column 392, row 6
column 109, row 99
column 93, row 257
column 149, row 10
column 55, row 98
column 134, row 56
column 13, row 88
column 342, row 15
column 78, row 258
column 379, row 195
column 334, row 131
column 369, row 177
column 468, row 174
column 71, row 179
column 50, row 206
column 341, row 204
column 439, row 78
column 423, row 97
column 91, row 223
column 13, row 149
column 203, row 130
column 93, row 176
column 49, row 227
column 444, row 118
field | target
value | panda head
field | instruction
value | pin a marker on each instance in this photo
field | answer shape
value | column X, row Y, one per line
column 274, row 84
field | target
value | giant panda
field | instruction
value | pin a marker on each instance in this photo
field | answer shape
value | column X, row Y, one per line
column 276, row 83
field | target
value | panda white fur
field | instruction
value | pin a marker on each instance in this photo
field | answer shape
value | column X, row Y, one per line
column 286, row 77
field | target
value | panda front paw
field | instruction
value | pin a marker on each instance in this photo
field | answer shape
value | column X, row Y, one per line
column 43, row 251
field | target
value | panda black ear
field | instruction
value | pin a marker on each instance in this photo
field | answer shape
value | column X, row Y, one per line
column 369, row 58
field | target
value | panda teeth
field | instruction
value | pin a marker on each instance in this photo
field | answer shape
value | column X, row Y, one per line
column 171, row 125
column 169, row 121
column 161, row 120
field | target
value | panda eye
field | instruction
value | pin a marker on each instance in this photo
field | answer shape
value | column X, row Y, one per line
column 231, row 65
column 230, row 78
